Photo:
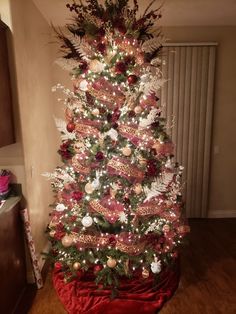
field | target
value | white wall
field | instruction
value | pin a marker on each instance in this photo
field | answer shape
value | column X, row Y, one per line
column 32, row 52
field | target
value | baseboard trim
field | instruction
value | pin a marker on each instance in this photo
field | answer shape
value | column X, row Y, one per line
column 222, row 214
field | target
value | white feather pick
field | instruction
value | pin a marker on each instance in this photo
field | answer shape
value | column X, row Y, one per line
column 67, row 64
column 145, row 122
column 96, row 183
column 83, row 48
column 152, row 44
column 158, row 186
column 150, row 84
column 61, row 175
column 61, row 126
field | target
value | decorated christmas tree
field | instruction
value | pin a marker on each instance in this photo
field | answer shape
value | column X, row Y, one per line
column 118, row 208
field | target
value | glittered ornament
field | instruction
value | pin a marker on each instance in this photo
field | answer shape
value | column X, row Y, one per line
column 156, row 266
column 87, row 221
column 83, row 85
column 138, row 189
column 76, row 266
column 67, row 240
column 145, row 273
column 126, row 151
column 132, row 79
column 138, row 109
column 89, row 188
column 111, row 262
column 95, row 112
column 70, row 127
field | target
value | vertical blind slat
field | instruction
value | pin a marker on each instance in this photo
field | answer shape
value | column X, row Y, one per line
column 188, row 97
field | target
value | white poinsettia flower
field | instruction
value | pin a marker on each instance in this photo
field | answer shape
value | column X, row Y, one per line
column 123, row 218
column 113, row 134
column 60, row 207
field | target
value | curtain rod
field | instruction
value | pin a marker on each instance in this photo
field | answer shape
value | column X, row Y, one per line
column 191, row 44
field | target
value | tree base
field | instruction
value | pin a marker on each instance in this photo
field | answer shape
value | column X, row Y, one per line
column 137, row 295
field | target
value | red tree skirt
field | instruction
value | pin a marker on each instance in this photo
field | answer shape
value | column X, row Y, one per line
column 135, row 296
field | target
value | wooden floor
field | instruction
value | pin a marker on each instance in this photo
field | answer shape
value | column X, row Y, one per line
column 208, row 281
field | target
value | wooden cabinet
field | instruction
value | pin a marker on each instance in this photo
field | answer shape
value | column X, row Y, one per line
column 6, row 117
column 12, row 258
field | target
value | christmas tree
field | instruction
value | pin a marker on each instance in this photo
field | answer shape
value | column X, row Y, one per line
column 118, row 207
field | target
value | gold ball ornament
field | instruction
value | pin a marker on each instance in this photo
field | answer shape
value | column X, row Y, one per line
column 138, row 189
column 67, row 240
column 88, row 188
column 111, row 262
column 138, row 109
column 76, row 266
column 145, row 273
column 95, row 112
column 126, row 151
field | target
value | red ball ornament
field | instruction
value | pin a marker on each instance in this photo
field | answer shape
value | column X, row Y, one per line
column 70, row 127
column 120, row 67
column 132, row 79
column 97, row 269
column 58, row 266
column 99, row 156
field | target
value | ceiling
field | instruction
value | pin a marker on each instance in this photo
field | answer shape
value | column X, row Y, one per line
column 175, row 12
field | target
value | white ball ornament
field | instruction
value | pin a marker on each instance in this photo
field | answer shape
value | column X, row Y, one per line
column 83, row 85
column 67, row 240
column 89, row 188
column 126, row 151
column 156, row 266
column 87, row 221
